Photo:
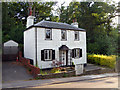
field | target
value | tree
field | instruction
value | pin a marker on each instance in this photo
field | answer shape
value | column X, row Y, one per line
column 15, row 17
column 96, row 18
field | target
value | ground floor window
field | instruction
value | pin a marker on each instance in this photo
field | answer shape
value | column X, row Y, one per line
column 47, row 54
column 77, row 53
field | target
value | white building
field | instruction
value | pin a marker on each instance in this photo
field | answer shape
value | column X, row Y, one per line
column 47, row 41
column 10, row 51
column 10, row 47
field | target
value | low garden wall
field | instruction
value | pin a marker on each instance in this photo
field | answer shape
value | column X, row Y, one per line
column 56, row 75
column 26, row 62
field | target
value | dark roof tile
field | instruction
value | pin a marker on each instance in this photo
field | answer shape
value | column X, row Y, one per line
column 57, row 25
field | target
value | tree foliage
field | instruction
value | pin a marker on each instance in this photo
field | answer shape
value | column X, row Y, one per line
column 15, row 17
column 95, row 17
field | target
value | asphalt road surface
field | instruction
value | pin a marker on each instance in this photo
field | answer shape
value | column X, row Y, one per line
column 108, row 82
column 14, row 71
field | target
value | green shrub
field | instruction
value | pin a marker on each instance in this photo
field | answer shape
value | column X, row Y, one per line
column 37, row 78
column 103, row 60
column 43, row 73
column 65, row 75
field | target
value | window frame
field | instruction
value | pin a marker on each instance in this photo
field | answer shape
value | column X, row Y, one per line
column 50, row 34
column 76, row 32
column 65, row 35
column 49, row 53
column 76, row 53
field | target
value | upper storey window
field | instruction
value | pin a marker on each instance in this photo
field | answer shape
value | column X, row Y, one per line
column 76, row 35
column 48, row 34
column 63, row 35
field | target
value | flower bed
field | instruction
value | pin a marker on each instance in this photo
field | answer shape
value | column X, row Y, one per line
column 56, row 75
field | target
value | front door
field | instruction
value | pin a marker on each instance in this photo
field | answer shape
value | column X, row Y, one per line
column 64, row 57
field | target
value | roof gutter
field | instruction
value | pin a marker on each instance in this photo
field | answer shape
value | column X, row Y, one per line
column 53, row 28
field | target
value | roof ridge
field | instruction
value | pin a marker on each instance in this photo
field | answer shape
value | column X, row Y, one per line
column 57, row 25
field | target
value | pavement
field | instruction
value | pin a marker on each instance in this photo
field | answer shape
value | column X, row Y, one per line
column 33, row 83
column 101, row 83
column 91, row 67
column 14, row 71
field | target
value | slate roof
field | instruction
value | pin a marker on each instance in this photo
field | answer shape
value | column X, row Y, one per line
column 56, row 25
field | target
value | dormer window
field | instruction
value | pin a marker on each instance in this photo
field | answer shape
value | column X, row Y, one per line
column 76, row 35
column 63, row 35
column 48, row 34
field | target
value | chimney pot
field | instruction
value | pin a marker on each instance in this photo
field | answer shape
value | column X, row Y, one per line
column 75, row 23
column 30, row 12
column 30, row 19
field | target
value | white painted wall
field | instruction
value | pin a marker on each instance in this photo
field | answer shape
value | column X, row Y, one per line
column 55, row 43
column 30, row 21
column 29, row 44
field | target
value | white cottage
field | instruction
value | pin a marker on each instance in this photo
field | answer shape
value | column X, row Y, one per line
column 47, row 41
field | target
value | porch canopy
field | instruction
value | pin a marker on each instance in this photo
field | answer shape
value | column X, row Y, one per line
column 63, row 47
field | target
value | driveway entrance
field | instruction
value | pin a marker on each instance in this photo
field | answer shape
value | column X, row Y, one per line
column 14, row 71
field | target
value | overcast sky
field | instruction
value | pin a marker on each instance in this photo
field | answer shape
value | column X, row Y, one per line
column 115, row 20
column 68, row 1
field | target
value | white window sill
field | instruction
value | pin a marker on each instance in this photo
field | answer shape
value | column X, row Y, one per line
column 63, row 40
column 47, row 59
column 48, row 39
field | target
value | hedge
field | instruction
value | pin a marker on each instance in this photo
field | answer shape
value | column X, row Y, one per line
column 103, row 60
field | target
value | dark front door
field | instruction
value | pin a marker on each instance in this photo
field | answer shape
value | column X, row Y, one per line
column 64, row 57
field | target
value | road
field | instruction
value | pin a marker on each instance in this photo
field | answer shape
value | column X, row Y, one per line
column 108, row 82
